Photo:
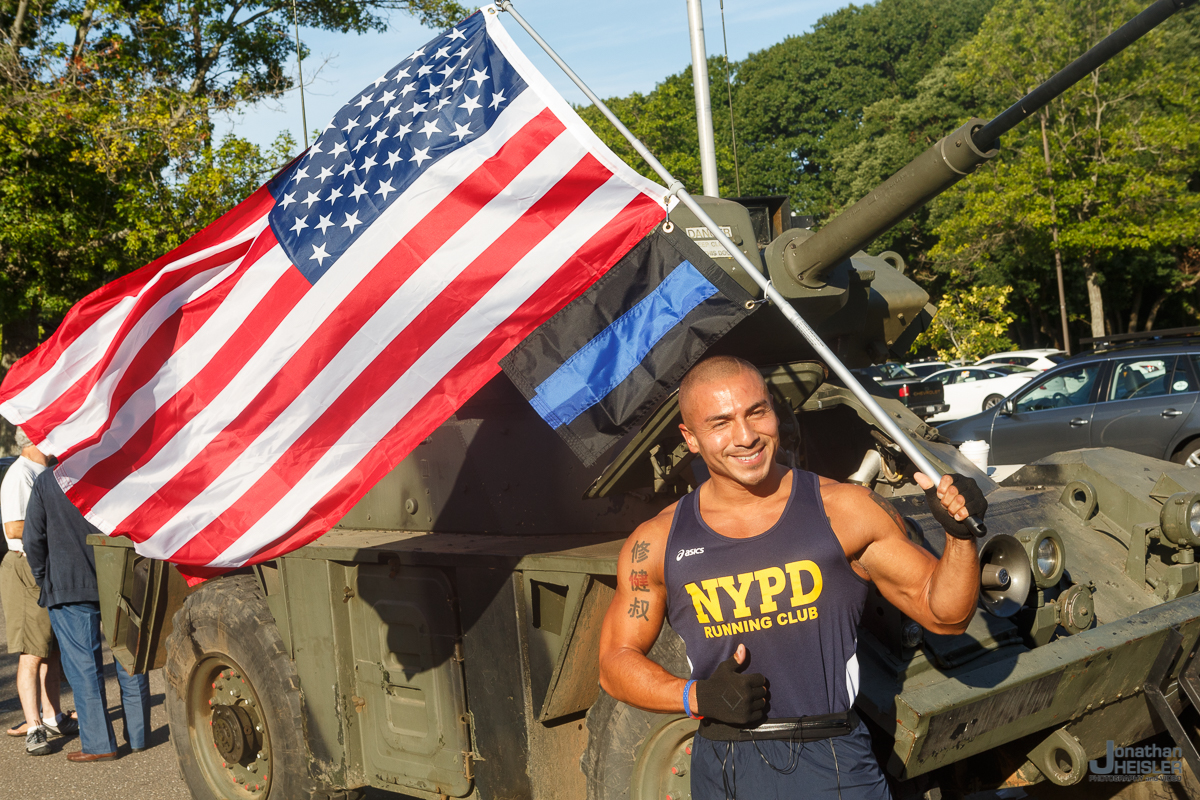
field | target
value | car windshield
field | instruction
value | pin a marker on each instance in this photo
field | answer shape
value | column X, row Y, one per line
column 1057, row 358
column 1061, row 389
column 925, row 370
column 1018, row 360
column 869, row 371
column 1009, row 369
column 893, row 371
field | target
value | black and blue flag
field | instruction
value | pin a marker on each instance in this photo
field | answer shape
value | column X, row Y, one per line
column 600, row 367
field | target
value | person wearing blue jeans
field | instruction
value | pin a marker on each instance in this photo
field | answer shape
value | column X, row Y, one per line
column 64, row 566
column 77, row 626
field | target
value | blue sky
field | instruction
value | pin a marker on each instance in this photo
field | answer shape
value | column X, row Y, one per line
column 617, row 47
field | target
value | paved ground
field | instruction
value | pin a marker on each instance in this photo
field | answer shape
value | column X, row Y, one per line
column 149, row 775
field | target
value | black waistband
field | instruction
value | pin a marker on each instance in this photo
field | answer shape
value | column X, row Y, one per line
column 795, row 729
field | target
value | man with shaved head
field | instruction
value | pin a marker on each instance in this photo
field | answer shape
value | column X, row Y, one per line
column 763, row 571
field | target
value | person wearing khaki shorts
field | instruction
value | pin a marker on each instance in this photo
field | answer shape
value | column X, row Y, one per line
column 26, row 623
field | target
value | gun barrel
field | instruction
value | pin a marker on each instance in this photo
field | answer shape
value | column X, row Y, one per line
column 951, row 159
column 925, row 177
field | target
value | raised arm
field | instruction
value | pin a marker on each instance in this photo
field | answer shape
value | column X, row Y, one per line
column 939, row 594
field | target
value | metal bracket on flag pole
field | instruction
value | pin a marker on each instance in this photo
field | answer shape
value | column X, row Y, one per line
column 675, row 188
column 762, row 300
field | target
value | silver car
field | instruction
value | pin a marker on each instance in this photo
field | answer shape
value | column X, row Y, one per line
column 1139, row 399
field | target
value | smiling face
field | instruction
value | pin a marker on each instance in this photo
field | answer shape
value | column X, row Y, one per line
column 729, row 420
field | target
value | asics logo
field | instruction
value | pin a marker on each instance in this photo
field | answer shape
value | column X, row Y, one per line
column 695, row 551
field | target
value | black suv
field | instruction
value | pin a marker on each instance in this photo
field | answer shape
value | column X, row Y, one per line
column 1139, row 398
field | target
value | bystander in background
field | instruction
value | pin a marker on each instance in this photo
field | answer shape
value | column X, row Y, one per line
column 27, row 624
column 64, row 566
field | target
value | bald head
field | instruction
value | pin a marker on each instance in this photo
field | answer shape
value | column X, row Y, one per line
column 715, row 369
column 729, row 420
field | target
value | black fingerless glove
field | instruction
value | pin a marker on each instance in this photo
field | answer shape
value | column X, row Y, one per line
column 728, row 696
column 976, row 506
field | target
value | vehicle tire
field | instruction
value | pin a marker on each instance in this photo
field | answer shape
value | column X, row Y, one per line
column 1188, row 454
column 234, row 698
column 992, row 400
column 630, row 752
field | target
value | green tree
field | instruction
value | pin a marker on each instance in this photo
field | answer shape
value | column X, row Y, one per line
column 665, row 121
column 1108, row 174
column 797, row 105
column 969, row 324
column 106, row 151
column 800, row 103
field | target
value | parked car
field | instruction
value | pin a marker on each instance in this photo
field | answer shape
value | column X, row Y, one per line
column 968, row 390
column 923, row 369
column 1042, row 359
column 893, row 380
column 1141, row 399
column 888, row 371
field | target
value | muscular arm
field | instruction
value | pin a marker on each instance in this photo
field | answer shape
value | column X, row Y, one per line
column 633, row 622
column 940, row 594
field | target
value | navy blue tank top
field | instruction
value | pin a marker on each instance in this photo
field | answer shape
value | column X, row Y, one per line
column 788, row 594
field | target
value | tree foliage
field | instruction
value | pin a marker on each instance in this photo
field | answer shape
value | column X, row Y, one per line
column 970, row 324
column 827, row 116
column 106, row 152
column 1114, row 177
column 798, row 104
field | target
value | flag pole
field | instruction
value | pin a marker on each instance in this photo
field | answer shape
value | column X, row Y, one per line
column 674, row 187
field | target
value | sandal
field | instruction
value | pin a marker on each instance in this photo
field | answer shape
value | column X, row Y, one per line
column 18, row 730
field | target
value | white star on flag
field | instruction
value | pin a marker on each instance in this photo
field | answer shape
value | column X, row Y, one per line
column 420, row 154
column 385, row 187
column 430, row 128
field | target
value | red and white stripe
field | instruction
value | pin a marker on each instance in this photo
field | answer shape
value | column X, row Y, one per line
column 220, row 410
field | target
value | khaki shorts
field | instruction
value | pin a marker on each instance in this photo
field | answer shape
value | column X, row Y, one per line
column 27, row 623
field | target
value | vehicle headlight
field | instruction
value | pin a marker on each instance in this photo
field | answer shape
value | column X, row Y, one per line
column 1180, row 519
column 1047, row 555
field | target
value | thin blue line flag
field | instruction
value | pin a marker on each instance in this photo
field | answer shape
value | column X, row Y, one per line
column 602, row 365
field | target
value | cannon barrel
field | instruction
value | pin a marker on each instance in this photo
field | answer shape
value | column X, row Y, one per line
column 949, row 160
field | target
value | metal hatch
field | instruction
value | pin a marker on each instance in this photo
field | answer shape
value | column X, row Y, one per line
column 408, row 680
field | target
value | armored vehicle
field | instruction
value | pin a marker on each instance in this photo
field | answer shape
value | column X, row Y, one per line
column 441, row 641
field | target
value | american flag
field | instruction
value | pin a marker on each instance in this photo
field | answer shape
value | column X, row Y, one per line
column 232, row 400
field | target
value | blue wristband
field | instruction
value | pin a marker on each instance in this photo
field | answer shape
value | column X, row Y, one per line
column 687, row 706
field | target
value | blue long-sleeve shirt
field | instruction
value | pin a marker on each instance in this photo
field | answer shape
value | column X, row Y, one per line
column 56, row 547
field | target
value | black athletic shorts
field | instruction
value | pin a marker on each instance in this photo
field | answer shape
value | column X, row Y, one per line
column 842, row 767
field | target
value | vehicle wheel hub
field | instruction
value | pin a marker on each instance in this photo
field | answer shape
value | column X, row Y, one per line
column 661, row 768
column 237, row 757
column 233, row 732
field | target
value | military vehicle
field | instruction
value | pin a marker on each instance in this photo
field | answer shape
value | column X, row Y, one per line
column 441, row 641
